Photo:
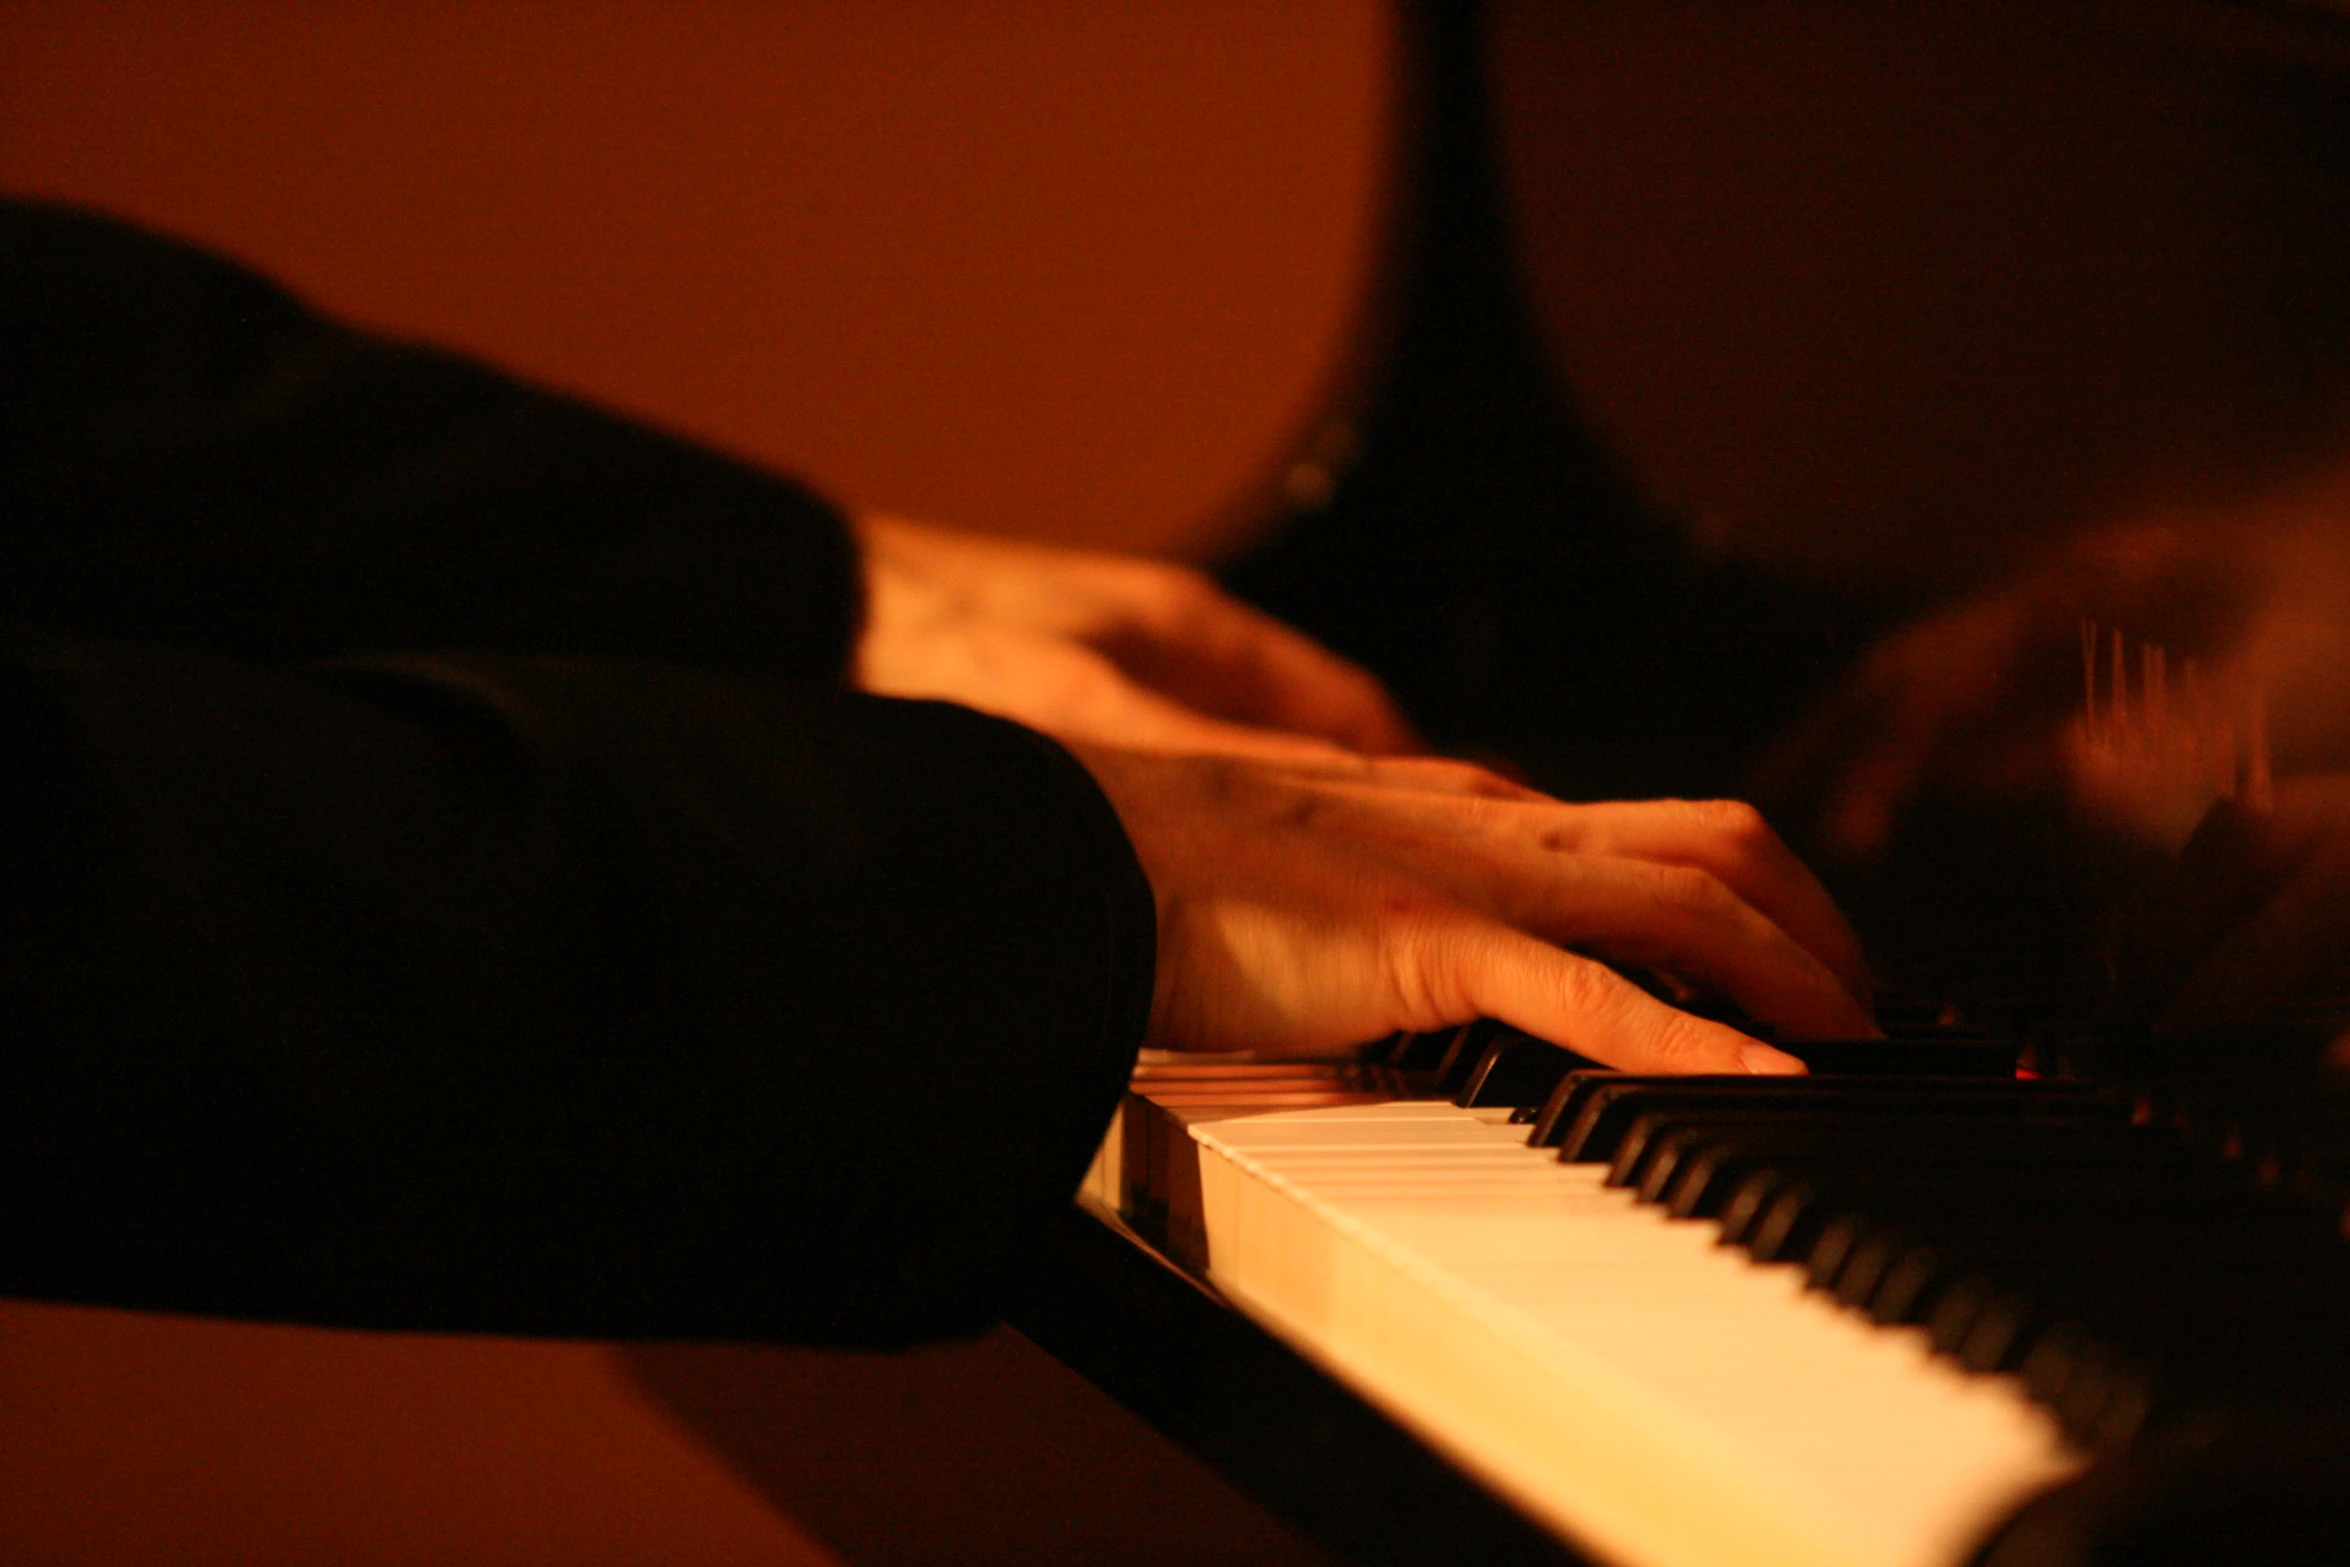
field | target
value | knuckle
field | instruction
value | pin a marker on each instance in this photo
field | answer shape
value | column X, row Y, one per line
column 1184, row 593
column 1225, row 782
column 1627, row 1027
column 1471, row 779
column 1429, row 960
column 1588, row 990
column 1735, row 820
column 1566, row 829
column 1465, row 776
column 1694, row 888
column 1487, row 784
column 1681, row 1043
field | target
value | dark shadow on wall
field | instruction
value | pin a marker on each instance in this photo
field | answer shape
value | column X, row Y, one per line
column 988, row 1453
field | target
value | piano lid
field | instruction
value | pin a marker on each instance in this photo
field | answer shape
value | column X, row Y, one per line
column 1718, row 343
column 1892, row 293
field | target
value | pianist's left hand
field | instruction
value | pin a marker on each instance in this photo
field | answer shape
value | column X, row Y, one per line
column 2254, row 918
column 1309, row 905
column 1981, row 699
column 1114, row 649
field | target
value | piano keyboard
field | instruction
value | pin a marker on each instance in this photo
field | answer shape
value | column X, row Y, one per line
column 1642, row 1390
column 1612, row 1370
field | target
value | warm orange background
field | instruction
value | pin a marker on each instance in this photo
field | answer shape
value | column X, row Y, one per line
column 1049, row 265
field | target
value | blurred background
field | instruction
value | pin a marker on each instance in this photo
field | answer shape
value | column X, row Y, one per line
column 1038, row 266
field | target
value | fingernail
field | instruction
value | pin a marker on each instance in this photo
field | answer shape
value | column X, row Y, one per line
column 1763, row 1061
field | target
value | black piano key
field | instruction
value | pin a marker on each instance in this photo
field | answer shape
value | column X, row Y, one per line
column 1517, row 1070
column 2191, row 1232
column 2203, row 1312
column 1982, row 1324
column 1753, row 1215
column 2092, row 1250
column 2039, row 1230
column 1565, row 1103
column 2101, row 1385
column 1942, row 1237
column 1607, row 1109
column 1840, row 1238
column 1942, row 1053
column 1725, row 1143
column 1908, row 1011
column 1777, row 1218
column 1579, row 1091
column 1886, row 1173
column 1461, row 1054
column 2173, row 1281
column 1909, row 1284
column 1412, row 1053
column 1699, row 1178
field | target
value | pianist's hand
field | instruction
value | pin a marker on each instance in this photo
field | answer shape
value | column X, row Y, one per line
column 2254, row 918
column 1107, row 648
column 1981, row 698
column 1310, row 905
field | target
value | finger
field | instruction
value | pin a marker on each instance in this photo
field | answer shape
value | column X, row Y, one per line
column 1858, row 817
column 1583, row 1005
column 1115, row 711
column 1218, row 655
column 1807, row 759
column 1510, row 855
column 1683, row 920
column 1300, row 684
column 2309, row 812
column 1071, row 692
column 1678, row 917
column 1729, row 840
column 1388, row 776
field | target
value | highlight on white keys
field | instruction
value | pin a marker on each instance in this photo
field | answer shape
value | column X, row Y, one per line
column 2152, row 755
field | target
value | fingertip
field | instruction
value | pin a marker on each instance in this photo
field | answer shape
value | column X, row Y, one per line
column 1760, row 1060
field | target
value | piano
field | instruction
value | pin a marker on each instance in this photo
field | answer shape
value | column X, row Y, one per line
column 1714, row 343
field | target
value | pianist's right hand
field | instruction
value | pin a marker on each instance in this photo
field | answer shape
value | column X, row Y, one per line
column 1309, row 905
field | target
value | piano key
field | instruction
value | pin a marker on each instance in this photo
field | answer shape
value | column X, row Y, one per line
column 1931, row 1253
column 1779, row 1206
column 1710, row 1169
column 1610, row 1110
column 1517, row 1070
column 1461, row 1055
column 2017, row 1219
column 1641, row 1333
column 1579, row 1090
column 1412, row 1053
column 1710, row 1150
column 1604, row 1109
column 1940, row 1053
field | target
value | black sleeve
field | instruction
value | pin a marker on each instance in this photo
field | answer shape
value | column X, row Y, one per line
column 188, row 455
column 626, row 978
column 544, row 995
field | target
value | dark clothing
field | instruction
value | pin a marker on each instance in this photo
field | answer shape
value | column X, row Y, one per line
column 445, row 883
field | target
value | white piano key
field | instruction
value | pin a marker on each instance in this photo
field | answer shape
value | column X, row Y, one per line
column 1660, row 1399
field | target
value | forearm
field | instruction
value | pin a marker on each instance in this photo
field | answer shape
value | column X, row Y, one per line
column 569, row 996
